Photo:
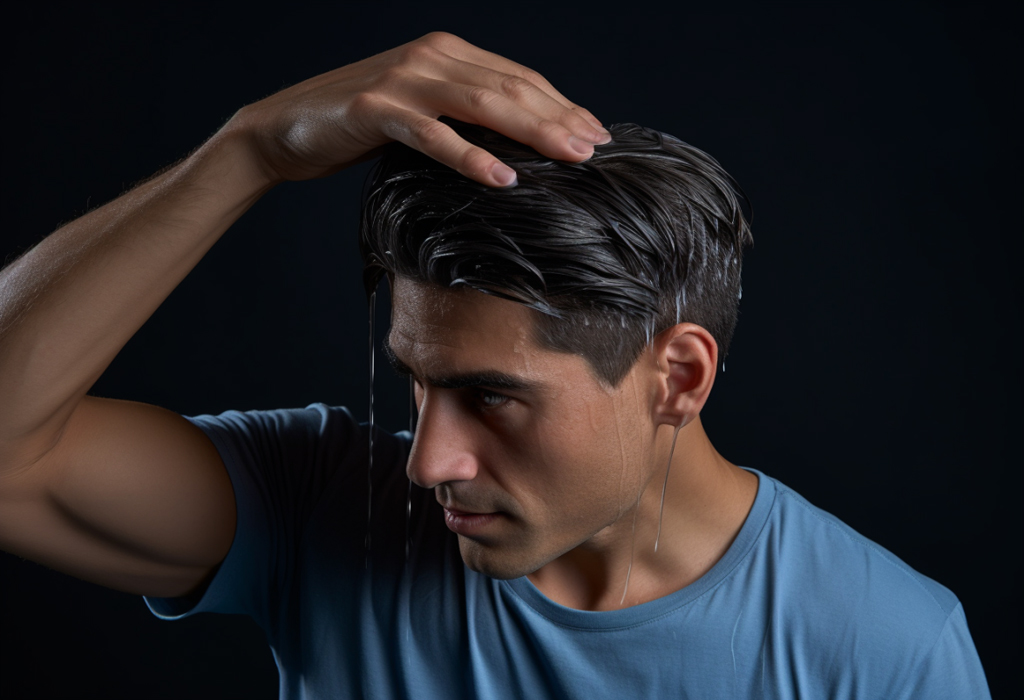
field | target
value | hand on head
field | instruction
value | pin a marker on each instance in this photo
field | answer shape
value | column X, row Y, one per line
column 343, row 117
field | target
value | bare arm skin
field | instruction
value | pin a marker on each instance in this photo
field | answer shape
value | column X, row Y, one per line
column 132, row 496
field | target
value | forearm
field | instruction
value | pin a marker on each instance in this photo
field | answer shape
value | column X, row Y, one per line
column 69, row 305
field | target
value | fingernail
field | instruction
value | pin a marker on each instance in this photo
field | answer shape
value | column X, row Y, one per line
column 600, row 137
column 580, row 146
column 503, row 175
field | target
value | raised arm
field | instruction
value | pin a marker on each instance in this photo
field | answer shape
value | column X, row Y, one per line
column 133, row 496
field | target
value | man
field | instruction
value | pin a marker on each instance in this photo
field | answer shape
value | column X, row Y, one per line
column 596, row 543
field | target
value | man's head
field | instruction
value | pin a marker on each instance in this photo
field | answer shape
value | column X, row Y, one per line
column 553, row 329
column 646, row 234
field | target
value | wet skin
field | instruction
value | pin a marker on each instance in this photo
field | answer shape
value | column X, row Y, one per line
column 544, row 470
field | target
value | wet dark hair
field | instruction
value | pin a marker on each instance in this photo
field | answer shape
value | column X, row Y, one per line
column 647, row 233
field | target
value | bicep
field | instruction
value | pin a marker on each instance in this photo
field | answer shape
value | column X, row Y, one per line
column 132, row 496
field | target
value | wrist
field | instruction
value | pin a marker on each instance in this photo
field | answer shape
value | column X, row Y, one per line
column 233, row 156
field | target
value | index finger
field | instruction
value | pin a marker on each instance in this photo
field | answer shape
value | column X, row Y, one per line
column 463, row 50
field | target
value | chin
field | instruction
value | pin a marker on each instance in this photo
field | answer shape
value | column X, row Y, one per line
column 497, row 563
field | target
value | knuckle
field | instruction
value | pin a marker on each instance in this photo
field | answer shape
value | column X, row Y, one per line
column 515, row 87
column 438, row 39
column 551, row 130
column 533, row 76
column 481, row 98
column 430, row 132
column 418, row 52
column 475, row 161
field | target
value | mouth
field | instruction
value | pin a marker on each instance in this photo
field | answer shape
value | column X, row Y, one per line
column 468, row 524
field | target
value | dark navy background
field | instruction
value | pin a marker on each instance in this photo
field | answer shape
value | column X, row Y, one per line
column 876, row 366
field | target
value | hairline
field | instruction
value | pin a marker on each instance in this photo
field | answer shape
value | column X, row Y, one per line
column 536, row 334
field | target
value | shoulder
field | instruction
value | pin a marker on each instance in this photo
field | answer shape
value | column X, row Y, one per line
column 316, row 419
column 848, row 610
column 846, row 567
column 315, row 432
column 284, row 463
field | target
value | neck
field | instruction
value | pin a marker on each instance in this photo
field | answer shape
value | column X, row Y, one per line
column 707, row 499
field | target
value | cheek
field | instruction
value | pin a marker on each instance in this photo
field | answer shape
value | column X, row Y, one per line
column 605, row 445
column 580, row 454
column 587, row 425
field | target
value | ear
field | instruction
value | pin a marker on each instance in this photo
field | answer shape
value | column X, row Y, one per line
column 687, row 358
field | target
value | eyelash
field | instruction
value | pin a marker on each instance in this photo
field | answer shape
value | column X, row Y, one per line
column 485, row 395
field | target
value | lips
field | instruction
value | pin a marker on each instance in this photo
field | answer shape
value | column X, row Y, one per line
column 468, row 524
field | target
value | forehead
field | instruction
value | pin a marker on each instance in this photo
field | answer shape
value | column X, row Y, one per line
column 425, row 316
column 440, row 332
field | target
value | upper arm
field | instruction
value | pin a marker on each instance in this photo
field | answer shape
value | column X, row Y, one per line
column 131, row 496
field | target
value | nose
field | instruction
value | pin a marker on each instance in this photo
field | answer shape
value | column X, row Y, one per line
column 443, row 447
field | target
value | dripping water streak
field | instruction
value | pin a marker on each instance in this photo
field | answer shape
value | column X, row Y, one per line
column 664, row 486
column 632, row 550
column 622, row 475
column 408, row 491
column 369, row 468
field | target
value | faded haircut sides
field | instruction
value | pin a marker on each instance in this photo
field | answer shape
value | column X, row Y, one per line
column 646, row 234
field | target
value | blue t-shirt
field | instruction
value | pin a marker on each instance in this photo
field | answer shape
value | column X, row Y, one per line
column 800, row 606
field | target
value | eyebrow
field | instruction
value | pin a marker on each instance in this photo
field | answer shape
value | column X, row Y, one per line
column 485, row 378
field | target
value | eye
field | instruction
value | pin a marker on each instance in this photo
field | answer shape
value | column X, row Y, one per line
column 491, row 399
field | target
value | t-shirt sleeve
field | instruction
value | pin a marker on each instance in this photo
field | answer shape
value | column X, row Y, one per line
column 952, row 669
column 280, row 464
